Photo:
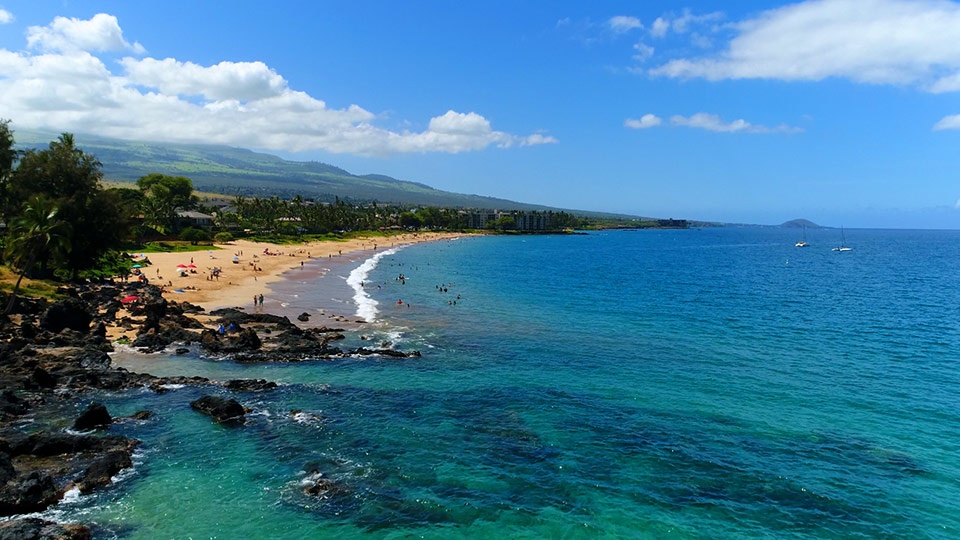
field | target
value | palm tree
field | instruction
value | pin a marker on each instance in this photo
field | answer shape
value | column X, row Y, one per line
column 35, row 234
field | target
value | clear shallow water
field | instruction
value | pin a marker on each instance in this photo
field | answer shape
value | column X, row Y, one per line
column 683, row 384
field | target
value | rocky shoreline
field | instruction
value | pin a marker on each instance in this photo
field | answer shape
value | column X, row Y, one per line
column 56, row 353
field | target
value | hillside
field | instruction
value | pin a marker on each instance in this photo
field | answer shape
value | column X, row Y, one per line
column 800, row 223
column 236, row 171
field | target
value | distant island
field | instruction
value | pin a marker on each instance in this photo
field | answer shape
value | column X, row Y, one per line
column 800, row 224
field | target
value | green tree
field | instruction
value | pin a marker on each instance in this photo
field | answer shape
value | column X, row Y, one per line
column 409, row 219
column 194, row 235
column 504, row 223
column 71, row 178
column 8, row 156
column 34, row 234
column 163, row 197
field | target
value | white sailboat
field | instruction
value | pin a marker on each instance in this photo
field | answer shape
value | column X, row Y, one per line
column 803, row 243
column 843, row 242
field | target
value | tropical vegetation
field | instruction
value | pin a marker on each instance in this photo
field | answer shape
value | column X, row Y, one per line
column 59, row 220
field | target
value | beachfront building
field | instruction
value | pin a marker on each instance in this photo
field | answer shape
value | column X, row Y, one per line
column 516, row 220
column 192, row 218
column 479, row 220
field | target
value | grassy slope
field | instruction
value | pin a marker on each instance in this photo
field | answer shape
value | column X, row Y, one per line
column 236, row 171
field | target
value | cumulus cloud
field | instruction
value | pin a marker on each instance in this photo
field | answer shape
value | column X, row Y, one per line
column 644, row 122
column 907, row 42
column 623, row 23
column 243, row 81
column 712, row 122
column 100, row 33
column 948, row 122
column 5, row 17
column 67, row 87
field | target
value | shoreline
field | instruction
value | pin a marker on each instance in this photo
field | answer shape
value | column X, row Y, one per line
column 247, row 269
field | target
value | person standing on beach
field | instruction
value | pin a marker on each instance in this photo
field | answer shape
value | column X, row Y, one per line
column 261, row 300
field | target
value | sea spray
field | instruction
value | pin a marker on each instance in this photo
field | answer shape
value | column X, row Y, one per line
column 366, row 306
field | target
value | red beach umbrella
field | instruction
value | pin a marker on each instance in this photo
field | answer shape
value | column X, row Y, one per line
column 128, row 299
column 181, row 265
column 191, row 265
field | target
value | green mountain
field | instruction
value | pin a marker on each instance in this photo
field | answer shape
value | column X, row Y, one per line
column 235, row 171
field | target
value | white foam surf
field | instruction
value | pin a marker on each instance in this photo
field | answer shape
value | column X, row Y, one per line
column 366, row 305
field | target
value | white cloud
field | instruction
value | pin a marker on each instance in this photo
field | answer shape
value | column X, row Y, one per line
column 100, row 33
column 623, row 23
column 914, row 42
column 659, row 27
column 645, row 121
column 712, row 122
column 948, row 122
column 66, row 87
column 709, row 122
column 5, row 17
column 537, row 138
column 226, row 80
column 683, row 23
column 957, row 204
column 642, row 52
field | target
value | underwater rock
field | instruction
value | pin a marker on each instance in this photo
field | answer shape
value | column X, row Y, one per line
column 250, row 385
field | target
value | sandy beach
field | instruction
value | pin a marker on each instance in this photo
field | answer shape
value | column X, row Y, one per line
column 247, row 268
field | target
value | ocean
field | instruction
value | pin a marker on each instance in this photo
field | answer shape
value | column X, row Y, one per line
column 701, row 383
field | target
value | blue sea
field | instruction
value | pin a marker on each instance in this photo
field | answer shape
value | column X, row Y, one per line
column 701, row 383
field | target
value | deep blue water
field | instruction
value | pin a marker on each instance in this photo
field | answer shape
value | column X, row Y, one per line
column 714, row 383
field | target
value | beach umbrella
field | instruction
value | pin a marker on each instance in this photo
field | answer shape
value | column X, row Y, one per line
column 191, row 265
column 181, row 265
column 236, row 258
column 137, row 266
column 128, row 299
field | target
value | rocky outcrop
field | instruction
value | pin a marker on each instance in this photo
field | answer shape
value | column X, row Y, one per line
column 233, row 315
column 41, row 462
column 392, row 353
column 30, row 492
column 222, row 410
column 250, row 385
column 53, row 352
column 39, row 529
column 315, row 484
column 233, row 341
column 70, row 313
column 93, row 417
column 103, row 469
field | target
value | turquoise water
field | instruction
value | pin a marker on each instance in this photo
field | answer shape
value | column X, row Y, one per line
column 715, row 383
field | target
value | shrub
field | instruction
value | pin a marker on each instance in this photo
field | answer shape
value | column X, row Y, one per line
column 222, row 237
column 194, row 235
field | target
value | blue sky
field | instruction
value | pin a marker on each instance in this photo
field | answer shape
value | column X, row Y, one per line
column 845, row 112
